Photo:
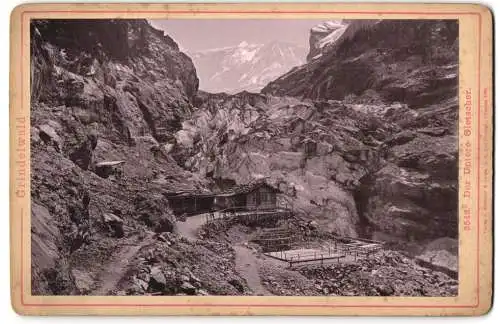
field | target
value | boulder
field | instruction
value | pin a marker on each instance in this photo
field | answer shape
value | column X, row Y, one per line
column 193, row 278
column 111, row 218
column 50, row 137
column 237, row 284
column 202, row 292
column 385, row 290
column 83, row 281
column 157, row 280
column 140, row 284
column 188, row 288
column 114, row 224
column 153, row 210
column 107, row 168
column 82, row 155
column 313, row 225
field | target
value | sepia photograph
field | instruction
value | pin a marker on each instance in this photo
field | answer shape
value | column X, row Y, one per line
column 248, row 157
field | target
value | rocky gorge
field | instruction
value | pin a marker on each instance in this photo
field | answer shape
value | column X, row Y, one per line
column 362, row 139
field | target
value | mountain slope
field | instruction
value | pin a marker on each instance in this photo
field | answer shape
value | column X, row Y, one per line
column 414, row 62
column 381, row 62
column 108, row 92
column 246, row 66
column 378, row 162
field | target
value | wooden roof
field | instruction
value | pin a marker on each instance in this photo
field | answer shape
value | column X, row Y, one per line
column 236, row 190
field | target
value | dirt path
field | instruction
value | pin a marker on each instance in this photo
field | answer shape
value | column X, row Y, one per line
column 189, row 228
column 118, row 265
column 248, row 269
column 246, row 263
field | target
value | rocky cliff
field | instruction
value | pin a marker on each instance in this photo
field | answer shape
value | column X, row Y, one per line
column 413, row 62
column 121, row 67
column 105, row 95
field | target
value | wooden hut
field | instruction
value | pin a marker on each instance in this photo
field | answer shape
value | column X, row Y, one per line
column 191, row 203
column 255, row 195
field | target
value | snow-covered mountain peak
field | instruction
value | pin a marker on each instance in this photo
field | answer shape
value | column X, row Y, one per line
column 246, row 66
column 327, row 26
column 243, row 44
column 324, row 34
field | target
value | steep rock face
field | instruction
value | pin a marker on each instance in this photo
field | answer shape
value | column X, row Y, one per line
column 441, row 255
column 414, row 197
column 127, row 75
column 246, row 66
column 405, row 61
column 370, row 64
column 323, row 35
column 102, row 91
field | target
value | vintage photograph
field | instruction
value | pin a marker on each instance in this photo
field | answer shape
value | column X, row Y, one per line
column 247, row 157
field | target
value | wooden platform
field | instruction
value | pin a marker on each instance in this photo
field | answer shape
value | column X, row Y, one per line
column 302, row 256
column 326, row 253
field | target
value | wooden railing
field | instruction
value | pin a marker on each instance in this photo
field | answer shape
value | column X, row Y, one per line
column 243, row 212
column 316, row 258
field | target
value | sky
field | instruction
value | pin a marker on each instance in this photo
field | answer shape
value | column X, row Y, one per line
column 198, row 34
